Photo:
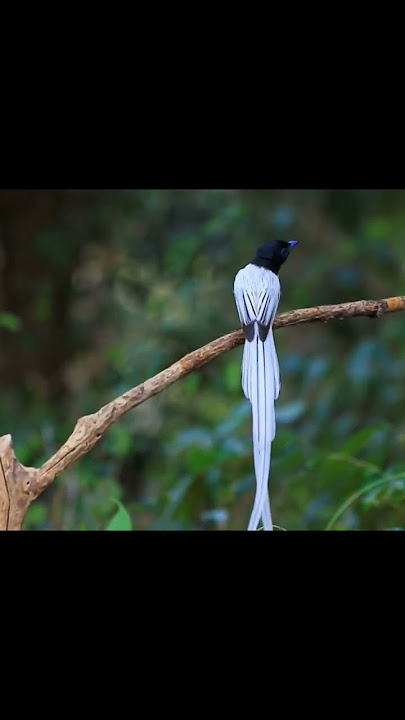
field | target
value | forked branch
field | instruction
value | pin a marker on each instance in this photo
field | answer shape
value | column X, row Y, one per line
column 19, row 486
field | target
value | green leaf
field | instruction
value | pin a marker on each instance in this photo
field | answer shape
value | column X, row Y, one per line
column 355, row 496
column 121, row 520
column 359, row 440
column 10, row 321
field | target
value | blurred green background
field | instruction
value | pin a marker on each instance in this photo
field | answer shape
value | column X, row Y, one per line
column 101, row 289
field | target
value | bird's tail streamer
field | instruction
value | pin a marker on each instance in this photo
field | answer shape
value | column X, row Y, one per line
column 261, row 385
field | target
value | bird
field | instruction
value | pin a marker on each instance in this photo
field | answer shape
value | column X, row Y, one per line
column 257, row 295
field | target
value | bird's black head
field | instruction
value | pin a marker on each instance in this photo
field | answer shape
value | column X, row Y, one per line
column 274, row 254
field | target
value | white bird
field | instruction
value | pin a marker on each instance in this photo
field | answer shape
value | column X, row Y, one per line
column 257, row 295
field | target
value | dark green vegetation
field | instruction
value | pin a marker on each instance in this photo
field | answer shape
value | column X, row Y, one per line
column 100, row 290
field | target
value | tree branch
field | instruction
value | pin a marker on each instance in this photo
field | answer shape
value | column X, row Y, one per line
column 90, row 428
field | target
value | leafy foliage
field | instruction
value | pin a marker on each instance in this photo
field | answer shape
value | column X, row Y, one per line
column 102, row 289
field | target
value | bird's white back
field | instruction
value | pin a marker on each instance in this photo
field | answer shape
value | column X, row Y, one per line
column 257, row 295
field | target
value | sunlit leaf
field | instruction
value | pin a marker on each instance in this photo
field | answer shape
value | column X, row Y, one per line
column 121, row 519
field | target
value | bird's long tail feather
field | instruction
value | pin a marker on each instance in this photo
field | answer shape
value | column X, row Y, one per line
column 261, row 385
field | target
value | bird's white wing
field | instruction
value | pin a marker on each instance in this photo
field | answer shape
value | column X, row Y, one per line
column 257, row 294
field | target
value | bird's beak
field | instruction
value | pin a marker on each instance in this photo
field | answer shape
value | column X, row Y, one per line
column 292, row 243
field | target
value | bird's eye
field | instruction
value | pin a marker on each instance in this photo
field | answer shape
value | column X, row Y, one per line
column 284, row 253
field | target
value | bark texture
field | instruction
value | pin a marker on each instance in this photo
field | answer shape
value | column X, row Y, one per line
column 20, row 485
